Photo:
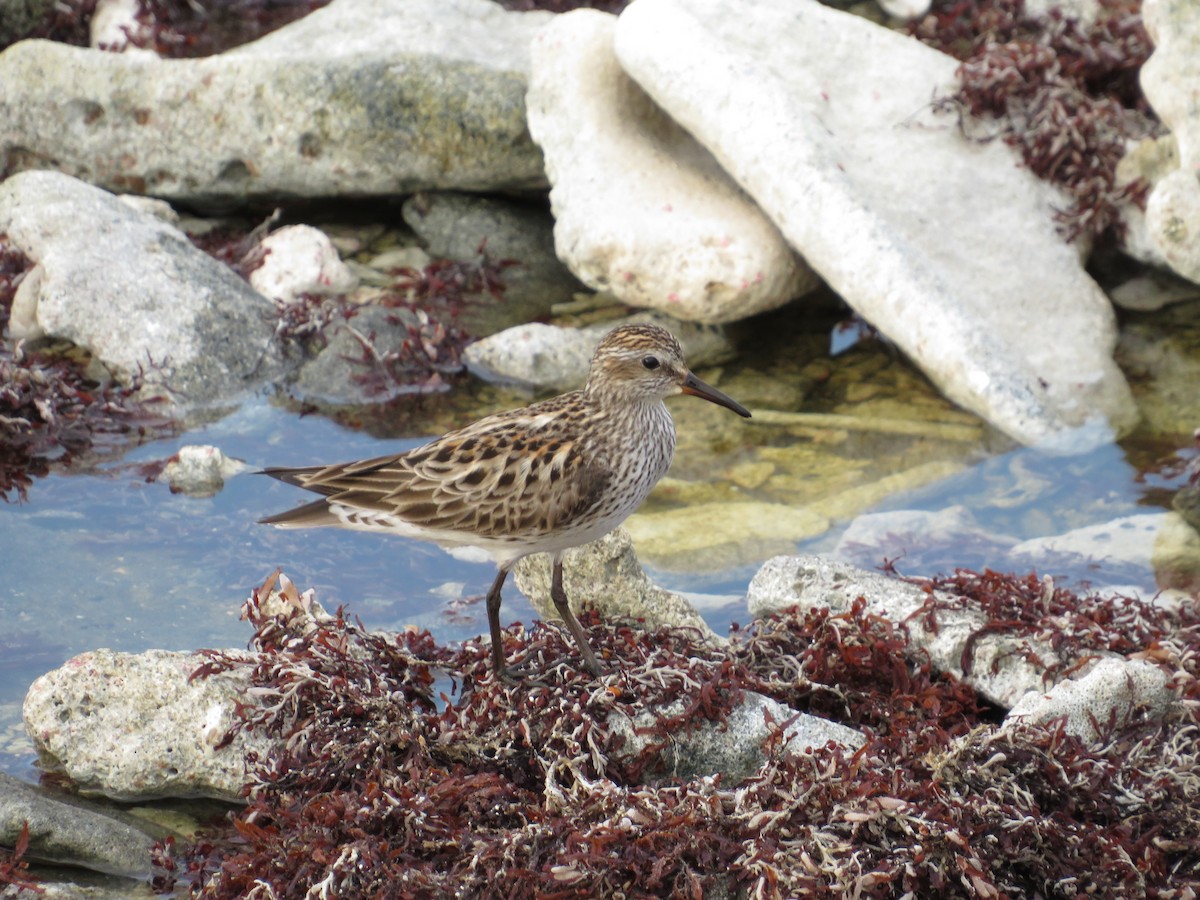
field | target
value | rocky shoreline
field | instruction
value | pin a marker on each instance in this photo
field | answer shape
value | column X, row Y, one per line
column 697, row 164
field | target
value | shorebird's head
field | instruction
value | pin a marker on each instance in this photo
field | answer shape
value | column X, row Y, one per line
column 645, row 362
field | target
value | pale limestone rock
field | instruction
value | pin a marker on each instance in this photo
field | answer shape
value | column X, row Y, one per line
column 1001, row 670
column 605, row 575
column 135, row 727
column 363, row 97
column 642, row 211
column 113, row 23
column 299, row 260
column 1169, row 80
column 948, row 246
column 1125, row 689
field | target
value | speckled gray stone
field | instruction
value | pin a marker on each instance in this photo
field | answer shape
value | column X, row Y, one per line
column 133, row 727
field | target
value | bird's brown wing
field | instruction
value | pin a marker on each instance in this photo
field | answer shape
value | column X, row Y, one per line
column 519, row 474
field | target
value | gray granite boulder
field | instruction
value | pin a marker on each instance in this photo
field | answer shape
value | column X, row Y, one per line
column 72, row 832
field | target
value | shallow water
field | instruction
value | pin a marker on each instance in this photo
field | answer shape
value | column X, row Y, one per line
column 109, row 560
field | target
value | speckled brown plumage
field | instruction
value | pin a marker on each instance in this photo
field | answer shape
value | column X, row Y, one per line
column 543, row 478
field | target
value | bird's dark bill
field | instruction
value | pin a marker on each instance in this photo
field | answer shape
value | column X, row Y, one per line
column 698, row 388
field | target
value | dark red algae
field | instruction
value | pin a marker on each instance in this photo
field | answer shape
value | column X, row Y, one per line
column 380, row 789
column 1062, row 91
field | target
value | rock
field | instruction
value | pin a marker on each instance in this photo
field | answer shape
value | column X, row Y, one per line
column 300, row 260
column 947, row 246
column 1153, row 290
column 907, row 10
column 1124, row 542
column 1186, row 502
column 734, row 748
column 112, row 25
column 707, row 537
column 1002, row 669
column 350, row 370
column 1169, row 78
column 68, row 831
column 456, row 226
column 19, row 17
column 550, row 358
column 135, row 727
column 1124, row 690
column 907, row 534
column 356, row 99
column 200, row 471
column 605, row 575
column 641, row 210
column 134, row 291
column 1175, row 556
column 1160, row 355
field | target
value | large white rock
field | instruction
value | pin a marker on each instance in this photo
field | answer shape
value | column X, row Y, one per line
column 362, row 97
column 948, row 246
column 1171, row 80
column 641, row 209
column 134, row 291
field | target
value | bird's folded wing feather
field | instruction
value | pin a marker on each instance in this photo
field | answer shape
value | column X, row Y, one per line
column 501, row 477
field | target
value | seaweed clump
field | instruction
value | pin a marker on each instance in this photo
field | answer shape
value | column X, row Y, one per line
column 53, row 413
column 382, row 787
column 1062, row 91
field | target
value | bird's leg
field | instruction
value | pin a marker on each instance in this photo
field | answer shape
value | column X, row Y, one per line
column 493, row 613
column 559, row 596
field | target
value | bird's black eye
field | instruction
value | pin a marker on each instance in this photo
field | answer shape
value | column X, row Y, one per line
column 650, row 362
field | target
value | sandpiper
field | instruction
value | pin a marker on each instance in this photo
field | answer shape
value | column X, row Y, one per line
column 541, row 479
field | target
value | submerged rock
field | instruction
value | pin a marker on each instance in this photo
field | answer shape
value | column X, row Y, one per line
column 947, row 246
column 72, row 832
column 641, row 210
column 462, row 227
